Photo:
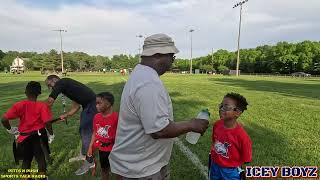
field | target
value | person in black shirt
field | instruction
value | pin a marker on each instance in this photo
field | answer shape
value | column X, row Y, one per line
column 80, row 94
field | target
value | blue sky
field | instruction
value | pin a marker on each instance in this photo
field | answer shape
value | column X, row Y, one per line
column 110, row 27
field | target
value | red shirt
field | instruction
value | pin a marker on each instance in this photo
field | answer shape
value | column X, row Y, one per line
column 105, row 130
column 230, row 147
column 33, row 116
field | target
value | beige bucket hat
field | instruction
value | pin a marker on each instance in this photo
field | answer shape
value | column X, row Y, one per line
column 158, row 43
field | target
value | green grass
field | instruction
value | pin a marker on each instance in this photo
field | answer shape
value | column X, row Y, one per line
column 283, row 119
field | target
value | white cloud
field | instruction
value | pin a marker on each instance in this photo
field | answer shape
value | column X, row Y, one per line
column 110, row 28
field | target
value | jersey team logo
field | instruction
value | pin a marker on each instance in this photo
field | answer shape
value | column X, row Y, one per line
column 104, row 131
column 222, row 148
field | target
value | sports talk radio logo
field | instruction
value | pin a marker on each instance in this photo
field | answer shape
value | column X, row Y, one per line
column 283, row 172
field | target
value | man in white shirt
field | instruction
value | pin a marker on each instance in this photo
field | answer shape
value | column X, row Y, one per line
column 143, row 142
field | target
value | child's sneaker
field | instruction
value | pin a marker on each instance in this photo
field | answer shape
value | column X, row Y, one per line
column 85, row 168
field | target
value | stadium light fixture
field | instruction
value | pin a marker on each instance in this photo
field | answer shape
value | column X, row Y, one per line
column 238, row 56
column 61, row 52
column 191, row 30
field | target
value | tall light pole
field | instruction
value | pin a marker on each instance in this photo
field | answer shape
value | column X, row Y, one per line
column 316, row 66
column 212, row 58
column 61, row 52
column 140, row 48
column 191, row 30
column 238, row 57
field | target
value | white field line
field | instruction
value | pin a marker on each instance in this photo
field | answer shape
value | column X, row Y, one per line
column 192, row 157
column 124, row 79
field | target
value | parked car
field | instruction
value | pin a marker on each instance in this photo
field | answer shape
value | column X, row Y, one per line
column 300, row 74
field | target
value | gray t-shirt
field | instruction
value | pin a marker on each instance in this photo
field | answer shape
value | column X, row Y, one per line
column 145, row 108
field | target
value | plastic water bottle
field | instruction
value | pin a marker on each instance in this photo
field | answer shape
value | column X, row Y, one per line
column 193, row 137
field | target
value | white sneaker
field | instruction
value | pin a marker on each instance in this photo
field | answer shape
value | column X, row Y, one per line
column 77, row 158
column 85, row 168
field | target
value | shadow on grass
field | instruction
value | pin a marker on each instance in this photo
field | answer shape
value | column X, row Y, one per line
column 290, row 89
column 13, row 89
column 183, row 109
column 269, row 147
column 175, row 94
column 313, row 80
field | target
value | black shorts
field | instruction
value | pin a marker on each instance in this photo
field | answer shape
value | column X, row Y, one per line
column 104, row 159
column 32, row 147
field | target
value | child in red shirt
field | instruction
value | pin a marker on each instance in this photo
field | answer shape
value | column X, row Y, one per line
column 31, row 133
column 103, row 136
column 231, row 145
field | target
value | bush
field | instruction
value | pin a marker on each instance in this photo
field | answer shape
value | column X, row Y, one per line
column 222, row 69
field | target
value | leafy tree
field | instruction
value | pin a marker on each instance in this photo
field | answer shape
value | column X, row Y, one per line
column 207, row 68
column 222, row 68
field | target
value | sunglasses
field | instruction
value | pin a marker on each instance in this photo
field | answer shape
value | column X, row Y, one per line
column 49, row 84
column 173, row 58
column 225, row 108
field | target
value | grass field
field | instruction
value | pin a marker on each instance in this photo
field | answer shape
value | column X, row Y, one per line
column 283, row 118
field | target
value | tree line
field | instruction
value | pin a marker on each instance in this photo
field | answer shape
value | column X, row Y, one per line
column 73, row 61
column 281, row 58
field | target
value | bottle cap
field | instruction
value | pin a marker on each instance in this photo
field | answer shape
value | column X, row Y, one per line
column 206, row 110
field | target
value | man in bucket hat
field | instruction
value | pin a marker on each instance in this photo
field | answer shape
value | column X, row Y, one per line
column 146, row 129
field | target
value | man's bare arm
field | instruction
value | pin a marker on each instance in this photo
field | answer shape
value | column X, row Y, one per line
column 5, row 123
column 174, row 129
column 49, row 128
column 74, row 109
